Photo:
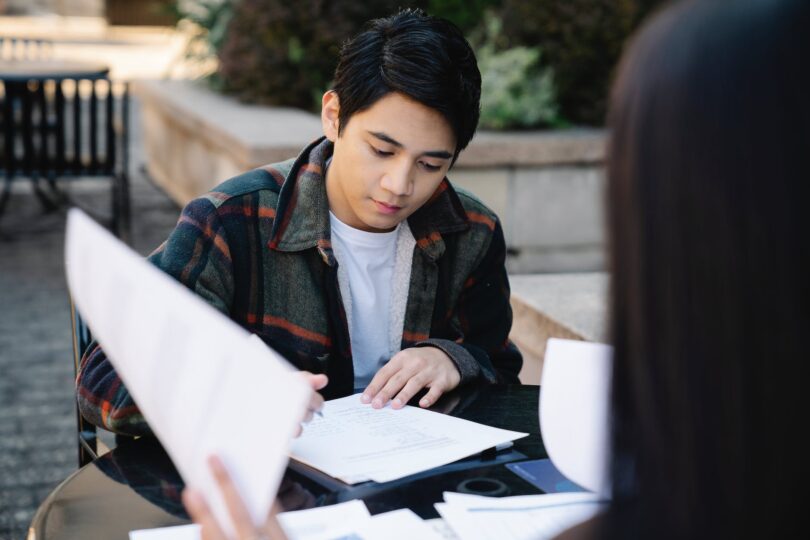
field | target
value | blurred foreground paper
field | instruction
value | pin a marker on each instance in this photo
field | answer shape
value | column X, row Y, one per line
column 204, row 385
column 524, row 517
column 178, row 532
column 351, row 520
column 574, row 406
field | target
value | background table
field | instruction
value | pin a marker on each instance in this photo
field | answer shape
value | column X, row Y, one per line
column 25, row 70
column 136, row 486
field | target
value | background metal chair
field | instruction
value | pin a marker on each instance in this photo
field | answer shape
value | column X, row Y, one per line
column 91, row 445
column 87, row 436
column 67, row 128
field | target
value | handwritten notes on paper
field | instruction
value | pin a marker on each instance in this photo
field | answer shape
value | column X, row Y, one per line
column 355, row 442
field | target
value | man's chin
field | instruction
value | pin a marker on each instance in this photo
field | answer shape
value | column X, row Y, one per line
column 381, row 225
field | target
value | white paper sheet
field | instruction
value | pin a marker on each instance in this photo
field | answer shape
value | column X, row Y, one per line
column 574, row 405
column 527, row 517
column 397, row 525
column 355, row 442
column 352, row 520
column 178, row 532
column 204, row 385
column 325, row 522
column 340, row 521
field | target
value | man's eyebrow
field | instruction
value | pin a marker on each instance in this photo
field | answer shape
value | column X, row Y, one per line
column 439, row 154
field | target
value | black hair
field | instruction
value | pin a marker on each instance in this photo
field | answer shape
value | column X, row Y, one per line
column 708, row 191
column 424, row 58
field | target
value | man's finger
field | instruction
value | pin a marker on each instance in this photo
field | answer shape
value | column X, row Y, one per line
column 415, row 384
column 379, row 380
column 233, row 500
column 431, row 397
column 199, row 512
column 391, row 388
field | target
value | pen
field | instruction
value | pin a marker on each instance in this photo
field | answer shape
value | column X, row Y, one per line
column 491, row 451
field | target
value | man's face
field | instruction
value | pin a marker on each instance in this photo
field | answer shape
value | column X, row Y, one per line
column 387, row 162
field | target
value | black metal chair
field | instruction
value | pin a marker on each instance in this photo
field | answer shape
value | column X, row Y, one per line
column 57, row 129
column 87, row 436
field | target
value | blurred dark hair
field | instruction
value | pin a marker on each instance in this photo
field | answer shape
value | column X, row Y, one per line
column 709, row 166
column 424, row 58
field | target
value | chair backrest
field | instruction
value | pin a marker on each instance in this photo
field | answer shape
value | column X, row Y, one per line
column 68, row 127
column 21, row 48
column 86, row 432
column 64, row 127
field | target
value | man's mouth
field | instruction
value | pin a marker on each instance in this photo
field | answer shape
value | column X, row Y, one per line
column 386, row 208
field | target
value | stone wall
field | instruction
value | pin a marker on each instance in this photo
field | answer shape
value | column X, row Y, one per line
column 78, row 8
column 546, row 186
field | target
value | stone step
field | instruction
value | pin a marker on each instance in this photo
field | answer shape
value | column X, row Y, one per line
column 571, row 306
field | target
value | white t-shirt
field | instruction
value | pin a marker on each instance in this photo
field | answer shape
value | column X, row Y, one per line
column 367, row 260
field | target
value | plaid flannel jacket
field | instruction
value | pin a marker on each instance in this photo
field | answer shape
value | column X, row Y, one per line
column 258, row 248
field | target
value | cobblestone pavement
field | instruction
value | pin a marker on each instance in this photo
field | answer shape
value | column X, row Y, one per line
column 37, row 415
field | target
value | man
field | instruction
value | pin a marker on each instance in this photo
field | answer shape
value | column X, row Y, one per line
column 357, row 259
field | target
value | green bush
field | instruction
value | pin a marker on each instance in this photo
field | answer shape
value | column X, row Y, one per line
column 516, row 92
column 210, row 20
column 279, row 52
column 581, row 40
column 466, row 14
column 283, row 53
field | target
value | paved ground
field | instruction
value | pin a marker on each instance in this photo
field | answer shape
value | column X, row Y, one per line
column 37, row 415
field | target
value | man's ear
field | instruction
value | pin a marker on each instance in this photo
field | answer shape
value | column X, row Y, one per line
column 330, row 113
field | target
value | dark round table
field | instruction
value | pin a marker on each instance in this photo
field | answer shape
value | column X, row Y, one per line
column 136, row 486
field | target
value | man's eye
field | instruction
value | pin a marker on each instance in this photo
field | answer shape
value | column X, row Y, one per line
column 381, row 153
column 429, row 167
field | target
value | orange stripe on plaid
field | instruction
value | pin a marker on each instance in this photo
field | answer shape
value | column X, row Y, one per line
column 426, row 241
column 264, row 212
column 277, row 176
column 313, row 168
column 481, row 218
column 219, row 242
column 105, row 412
column 222, row 246
column 439, row 190
column 192, row 262
column 413, row 336
column 296, row 330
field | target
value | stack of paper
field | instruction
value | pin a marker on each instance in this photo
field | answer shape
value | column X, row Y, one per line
column 352, row 520
column 349, row 520
column 527, row 517
column 202, row 382
column 356, row 443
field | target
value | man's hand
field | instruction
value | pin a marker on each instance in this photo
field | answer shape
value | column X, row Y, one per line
column 316, row 382
column 408, row 372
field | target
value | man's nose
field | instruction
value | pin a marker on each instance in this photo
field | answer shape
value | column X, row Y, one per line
column 397, row 179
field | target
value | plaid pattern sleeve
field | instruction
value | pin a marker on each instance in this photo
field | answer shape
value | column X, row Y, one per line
column 197, row 255
column 483, row 316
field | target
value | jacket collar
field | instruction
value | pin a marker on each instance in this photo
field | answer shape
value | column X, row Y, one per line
column 302, row 212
